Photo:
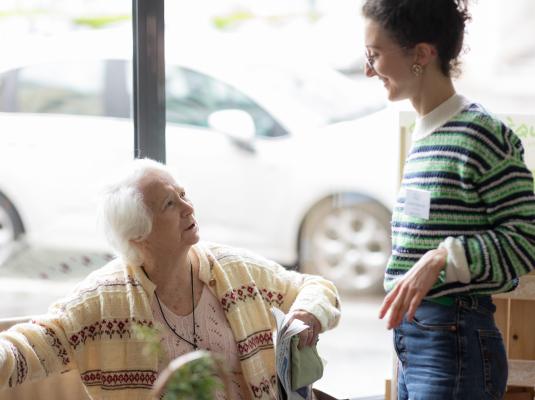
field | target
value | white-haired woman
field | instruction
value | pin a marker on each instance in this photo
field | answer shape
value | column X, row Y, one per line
column 204, row 296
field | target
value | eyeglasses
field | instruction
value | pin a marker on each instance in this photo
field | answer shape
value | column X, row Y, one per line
column 370, row 60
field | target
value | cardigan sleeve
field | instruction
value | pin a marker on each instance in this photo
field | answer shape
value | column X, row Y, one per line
column 33, row 350
column 319, row 297
column 245, row 275
column 310, row 293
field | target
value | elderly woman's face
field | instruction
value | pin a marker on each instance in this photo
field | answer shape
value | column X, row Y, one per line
column 174, row 227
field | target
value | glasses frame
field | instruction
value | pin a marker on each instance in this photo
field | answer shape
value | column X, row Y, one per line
column 370, row 59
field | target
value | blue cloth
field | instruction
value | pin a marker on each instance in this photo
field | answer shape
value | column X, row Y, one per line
column 451, row 352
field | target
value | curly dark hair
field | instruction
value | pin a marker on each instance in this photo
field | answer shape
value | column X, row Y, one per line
column 438, row 22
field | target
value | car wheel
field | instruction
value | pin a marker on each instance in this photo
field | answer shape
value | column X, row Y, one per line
column 346, row 239
column 11, row 227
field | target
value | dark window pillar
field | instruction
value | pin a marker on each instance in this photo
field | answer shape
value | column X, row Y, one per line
column 149, row 79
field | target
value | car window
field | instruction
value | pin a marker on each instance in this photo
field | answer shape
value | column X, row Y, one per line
column 64, row 88
column 192, row 96
column 7, row 91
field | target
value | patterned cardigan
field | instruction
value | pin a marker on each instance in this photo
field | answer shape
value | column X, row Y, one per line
column 91, row 329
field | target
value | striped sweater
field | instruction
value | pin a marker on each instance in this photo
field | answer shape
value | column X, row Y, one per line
column 481, row 193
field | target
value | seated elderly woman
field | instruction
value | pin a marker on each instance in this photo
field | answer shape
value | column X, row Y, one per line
column 203, row 296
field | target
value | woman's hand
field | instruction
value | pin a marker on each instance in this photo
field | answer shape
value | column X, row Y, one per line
column 413, row 287
column 309, row 336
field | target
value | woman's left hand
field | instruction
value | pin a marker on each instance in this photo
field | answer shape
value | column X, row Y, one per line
column 309, row 336
column 413, row 287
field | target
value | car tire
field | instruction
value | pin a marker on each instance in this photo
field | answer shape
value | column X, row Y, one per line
column 346, row 239
column 11, row 227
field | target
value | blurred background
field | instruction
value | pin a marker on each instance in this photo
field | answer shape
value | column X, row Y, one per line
column 284, row 146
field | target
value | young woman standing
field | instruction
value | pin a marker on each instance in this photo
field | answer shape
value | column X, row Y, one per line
column 464, row 224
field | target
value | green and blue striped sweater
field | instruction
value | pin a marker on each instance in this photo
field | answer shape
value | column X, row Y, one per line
column 481, row 193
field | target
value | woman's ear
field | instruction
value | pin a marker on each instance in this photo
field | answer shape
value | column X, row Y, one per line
column 138, row 243
column 425, row 54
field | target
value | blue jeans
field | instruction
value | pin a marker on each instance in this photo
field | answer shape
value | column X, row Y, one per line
column 451, row 352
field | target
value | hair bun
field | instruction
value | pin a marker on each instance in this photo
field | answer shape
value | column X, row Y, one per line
column 462, row 7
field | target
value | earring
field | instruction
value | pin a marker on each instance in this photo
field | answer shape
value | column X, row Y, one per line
column 417, row 69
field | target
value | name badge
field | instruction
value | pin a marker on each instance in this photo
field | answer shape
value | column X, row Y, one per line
column 417, row 203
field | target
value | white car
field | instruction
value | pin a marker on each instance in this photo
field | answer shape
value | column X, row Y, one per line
column 261, row 150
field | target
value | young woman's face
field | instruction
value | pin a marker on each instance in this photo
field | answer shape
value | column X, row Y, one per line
column 387, row 60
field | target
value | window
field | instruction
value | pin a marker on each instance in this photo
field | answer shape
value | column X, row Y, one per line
column 193, row 96
column 80, row 88
column 7, row 91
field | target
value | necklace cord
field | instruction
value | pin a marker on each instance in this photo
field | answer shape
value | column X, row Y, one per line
column 195, row 347
column 194, row 344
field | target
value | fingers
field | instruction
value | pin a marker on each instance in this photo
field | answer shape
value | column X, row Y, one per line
column 307, row 338
column 303, row 337
column 407, row 305
column 291, row 319
column 397, row 310
column 415, row 303
column 397, row 302
column 387, row 302
column 408, row 293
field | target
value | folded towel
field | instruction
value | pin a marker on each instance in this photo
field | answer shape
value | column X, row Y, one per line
column 307, row 366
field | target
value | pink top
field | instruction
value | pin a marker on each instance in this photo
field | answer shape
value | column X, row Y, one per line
column 213, row 334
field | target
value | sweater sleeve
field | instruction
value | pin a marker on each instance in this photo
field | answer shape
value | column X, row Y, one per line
column 245, row 275
column 456, row 265
column 314, row 294
column 33, row 350
column 505, row 251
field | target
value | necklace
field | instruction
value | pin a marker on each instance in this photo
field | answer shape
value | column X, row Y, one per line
column 194, row 343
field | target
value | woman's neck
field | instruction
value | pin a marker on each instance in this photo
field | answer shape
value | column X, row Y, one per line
column 433, row 91
column 172, row 275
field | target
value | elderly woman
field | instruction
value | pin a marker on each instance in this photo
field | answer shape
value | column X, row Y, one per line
column 204, row 296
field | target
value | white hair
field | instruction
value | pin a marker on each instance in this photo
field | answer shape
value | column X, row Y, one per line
column 123, row 213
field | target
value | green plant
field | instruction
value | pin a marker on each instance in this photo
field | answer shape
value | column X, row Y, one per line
column 195, row 380
column 190, row 377
column 101, row 21
column 22, row 13
column 151, row 336
column 232, row 20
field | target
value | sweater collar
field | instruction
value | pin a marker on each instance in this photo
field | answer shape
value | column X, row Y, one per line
column 205, row 273
column 439, row 116
column 138, row 273
column 205, row 262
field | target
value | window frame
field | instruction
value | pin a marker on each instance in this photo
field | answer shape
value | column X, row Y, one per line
column 148, row 79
